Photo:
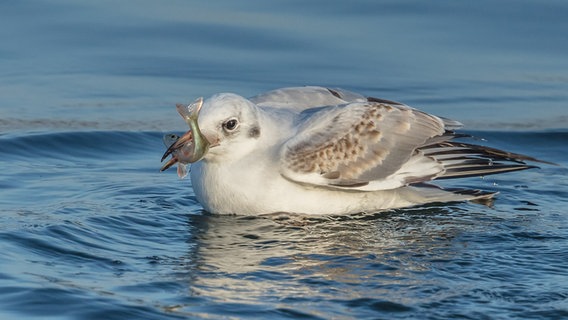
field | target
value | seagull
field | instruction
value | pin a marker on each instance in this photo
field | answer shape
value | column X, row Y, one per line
column 321, row 151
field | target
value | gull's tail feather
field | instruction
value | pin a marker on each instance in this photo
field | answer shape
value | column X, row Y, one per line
column 485, row 198
column 473, row 193
column 429, row 193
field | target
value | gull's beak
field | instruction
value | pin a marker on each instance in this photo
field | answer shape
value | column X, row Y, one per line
column 186, row 138
column 168, row 164
column 179, row 143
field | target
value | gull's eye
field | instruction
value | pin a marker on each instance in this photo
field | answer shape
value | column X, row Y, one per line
column 231, row 124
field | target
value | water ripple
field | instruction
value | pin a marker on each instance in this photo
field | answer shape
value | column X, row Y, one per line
column 116, row 238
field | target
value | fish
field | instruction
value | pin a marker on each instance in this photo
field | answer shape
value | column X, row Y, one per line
column 199, row 142
column 192, row 145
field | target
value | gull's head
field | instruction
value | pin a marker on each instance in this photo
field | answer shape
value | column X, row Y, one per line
column 224, row 126
column 230, row 123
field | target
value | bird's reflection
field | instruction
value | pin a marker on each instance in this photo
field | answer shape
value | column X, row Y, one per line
column 283, row 256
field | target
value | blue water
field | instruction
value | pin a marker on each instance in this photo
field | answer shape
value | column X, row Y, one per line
column 90, row 229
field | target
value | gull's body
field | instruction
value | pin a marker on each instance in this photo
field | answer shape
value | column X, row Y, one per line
column 314, row 150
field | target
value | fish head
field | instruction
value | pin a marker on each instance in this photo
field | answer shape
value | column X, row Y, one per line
column 169, row 139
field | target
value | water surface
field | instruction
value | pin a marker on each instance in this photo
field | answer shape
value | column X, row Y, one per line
column 90, row 229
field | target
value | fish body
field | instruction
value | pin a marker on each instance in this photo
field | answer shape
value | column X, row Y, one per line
column 191, row 146
column 200, row 143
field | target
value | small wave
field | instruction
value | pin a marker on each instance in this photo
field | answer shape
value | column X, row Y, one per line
column 90, row 144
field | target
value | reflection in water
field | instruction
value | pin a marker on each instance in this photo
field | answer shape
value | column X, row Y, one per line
column 283, row 258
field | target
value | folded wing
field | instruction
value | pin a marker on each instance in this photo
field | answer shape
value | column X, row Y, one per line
column 363, row 145
column 376, row 145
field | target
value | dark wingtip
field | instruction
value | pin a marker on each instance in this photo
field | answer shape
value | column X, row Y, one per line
column 378, row 100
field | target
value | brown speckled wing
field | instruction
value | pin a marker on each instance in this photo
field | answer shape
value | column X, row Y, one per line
column 362, row 145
